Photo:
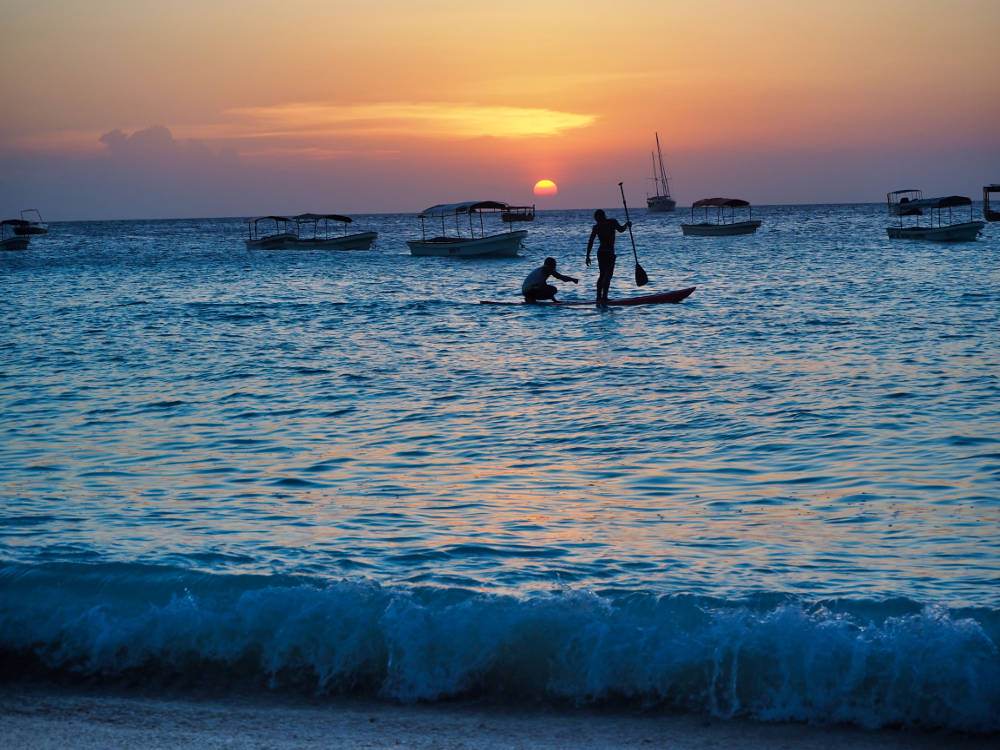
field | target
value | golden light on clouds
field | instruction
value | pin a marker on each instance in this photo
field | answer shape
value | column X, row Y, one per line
column 308, row 129
column 440, row 119
column 546, row 187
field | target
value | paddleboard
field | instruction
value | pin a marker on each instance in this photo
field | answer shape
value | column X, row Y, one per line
column 648, row 299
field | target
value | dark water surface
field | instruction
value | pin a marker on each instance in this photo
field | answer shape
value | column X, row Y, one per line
column 343, row 461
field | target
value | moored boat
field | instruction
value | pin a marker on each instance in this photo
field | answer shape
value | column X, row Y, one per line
column 937, row 229
column 988, row 213
column 899, row 202
column 270, row 233
column 483, row 245
column 723, row 223
column 33, row 223
column 660, row 201
column 315, row 231
column 517, row 213
column 10, row 238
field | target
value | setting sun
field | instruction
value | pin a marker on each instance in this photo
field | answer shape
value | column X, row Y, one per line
column 546, row 187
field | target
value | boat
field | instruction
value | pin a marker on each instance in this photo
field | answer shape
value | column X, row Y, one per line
column 899, row 202
column 725, row 223
column 10, row 238
column 647, row 299
column 263, row 237
column 935, row 230
column 483, row 245
column 33, row 223
column 315, row 231
column 660, row 201
column 517, row 213
column 988, row 213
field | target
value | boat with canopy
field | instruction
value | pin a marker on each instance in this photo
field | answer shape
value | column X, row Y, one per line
column 517, row 213
column 899, row 201
column 270, row 233
column 939, row 228
column 988, row 213
column 472, row 244
column 329, row 232
column 724, row 222
column 33, row 223
column 10, row 237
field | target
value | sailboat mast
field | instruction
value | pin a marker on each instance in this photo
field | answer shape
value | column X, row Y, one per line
column 663, row 172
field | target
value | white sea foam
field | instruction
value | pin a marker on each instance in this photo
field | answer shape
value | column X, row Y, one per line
column 770, row 657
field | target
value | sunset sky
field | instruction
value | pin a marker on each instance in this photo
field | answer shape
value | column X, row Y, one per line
column 116, row 109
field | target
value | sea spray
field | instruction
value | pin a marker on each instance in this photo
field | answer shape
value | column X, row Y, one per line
column 769, row 657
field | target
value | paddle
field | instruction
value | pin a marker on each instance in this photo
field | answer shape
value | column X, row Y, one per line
column 641, row 279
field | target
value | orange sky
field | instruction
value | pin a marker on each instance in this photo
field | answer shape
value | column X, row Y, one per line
column 427, row 102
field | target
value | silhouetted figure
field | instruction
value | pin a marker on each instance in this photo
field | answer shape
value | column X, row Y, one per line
column 535, row 287
column 604, row 230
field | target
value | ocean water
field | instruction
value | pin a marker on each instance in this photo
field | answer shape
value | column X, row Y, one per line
column 336, row 473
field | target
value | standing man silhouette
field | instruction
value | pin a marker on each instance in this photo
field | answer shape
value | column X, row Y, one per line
column 604, row 230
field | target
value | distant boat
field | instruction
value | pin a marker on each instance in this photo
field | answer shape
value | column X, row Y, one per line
column 899, row 202
column 660, row 201
column 314, row 231
column 935, row 229
column 723, row 223
column 33, row 223
column 517, row 213
column 10, row 237
column 499, row 245
column 264, row 236
column 988, row 213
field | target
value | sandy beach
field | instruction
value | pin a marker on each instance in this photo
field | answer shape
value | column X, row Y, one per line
column 36, row 719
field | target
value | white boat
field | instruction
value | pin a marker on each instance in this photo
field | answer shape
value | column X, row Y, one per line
column 270, row 233
column 10, row 238
column 315, row 231
column 660, row 201
column 33, row 223
column 988, row 213
column 725, row 223
column 481, row 245
column 899, row 202
column 936, row 228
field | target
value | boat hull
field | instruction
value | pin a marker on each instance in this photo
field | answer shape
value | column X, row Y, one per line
column 503, row 245
column 14, row 243
column 273, row 242
column 965, row 232
column 660, row 204
column 357, row 241
column 721, row 230
column 648, row 299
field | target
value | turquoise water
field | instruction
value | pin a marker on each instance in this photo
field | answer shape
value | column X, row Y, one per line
column 341, row 465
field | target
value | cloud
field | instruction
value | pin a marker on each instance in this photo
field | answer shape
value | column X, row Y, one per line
column 157, row 144
column 157, row 138
column 314, row 131
column 442, row 120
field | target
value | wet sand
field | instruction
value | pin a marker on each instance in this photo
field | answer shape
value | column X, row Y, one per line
column 34, row 719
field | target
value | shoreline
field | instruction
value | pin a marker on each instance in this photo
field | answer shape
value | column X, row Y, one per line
column 36, row 718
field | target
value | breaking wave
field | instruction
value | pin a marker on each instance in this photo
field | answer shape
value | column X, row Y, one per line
column 770, row 657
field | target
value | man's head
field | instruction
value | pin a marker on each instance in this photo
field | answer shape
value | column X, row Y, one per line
column 599, row 215
column 550, row 263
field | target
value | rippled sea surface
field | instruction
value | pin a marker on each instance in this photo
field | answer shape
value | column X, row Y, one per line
column 819, row 422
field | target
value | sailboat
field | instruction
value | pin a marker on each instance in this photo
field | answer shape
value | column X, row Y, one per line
column 660, row 201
